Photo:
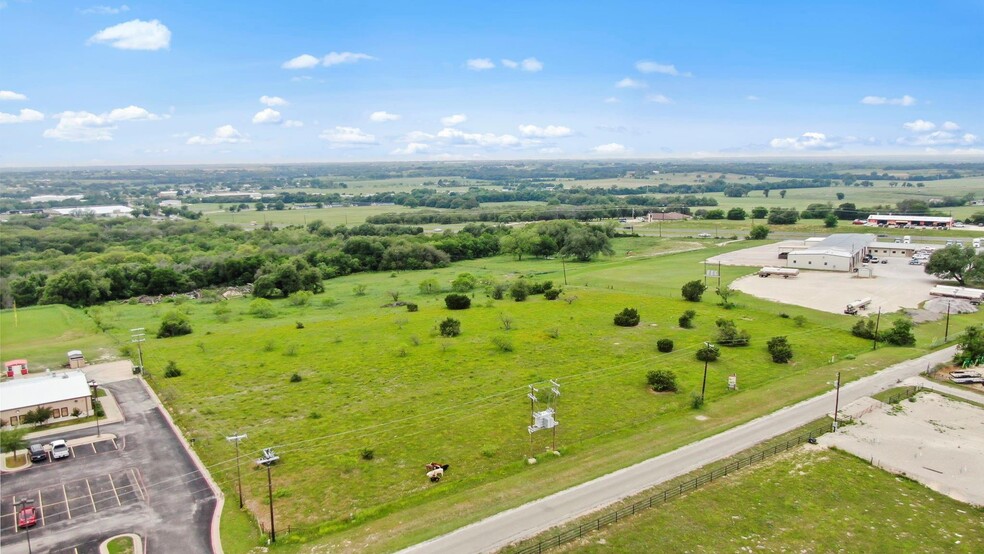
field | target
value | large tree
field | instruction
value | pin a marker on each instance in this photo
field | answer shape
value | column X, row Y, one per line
column 957, row 262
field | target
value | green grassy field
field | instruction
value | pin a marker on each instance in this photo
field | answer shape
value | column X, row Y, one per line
column 380, row 378
column 350, row 215
column 44, row 334
column 805, row 501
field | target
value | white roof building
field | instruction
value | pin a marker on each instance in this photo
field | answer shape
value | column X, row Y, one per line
column 840, row 252
column 99, row 211
column 55, row 198
column 28, row 392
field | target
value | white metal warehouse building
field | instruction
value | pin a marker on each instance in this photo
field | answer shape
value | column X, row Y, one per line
column 834, row 253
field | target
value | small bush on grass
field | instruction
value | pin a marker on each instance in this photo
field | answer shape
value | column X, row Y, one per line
column 551, row 294
column 296, row 378
column 864, row 328
column 708, row 353
column 300, row 298
column 450, row 327
column 174, row 324
column 662, row 380
column 686, row 321
column 457, row 302
column 901, row 333
column 693, row 290
column 262, row 308
column 664, row 345
column 628, row 317
column 519, row 290
column 730, row 335
column 411, row 307
column 696, row 401
column 780, row 350
column 367, row 454
column 503, row 344
column 172, row 370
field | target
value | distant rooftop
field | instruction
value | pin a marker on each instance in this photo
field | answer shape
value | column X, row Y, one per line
column 28, row 392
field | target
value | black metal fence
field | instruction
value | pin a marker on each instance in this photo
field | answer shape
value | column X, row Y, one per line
column 668, row 494
column 903, row 394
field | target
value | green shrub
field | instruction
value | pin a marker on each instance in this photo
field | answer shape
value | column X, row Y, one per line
column 696, row 401
column 367, row 454
column 262, row 308
column 693, row 290
column 498, row 291
column 758, row 232
column 686, row 321
column 780, row 350
column 729, row 335
column 708, row 353
column 300, row 298
column 464, row 282
column 551, row 294
column 664, row 345
column 628, row 317
column 174, row 324
column 540, row 288
column 864, row 328
column 457, row 301
column 503, row 344
column 411, row 307
column 799, row 320
column 519, row 290
column 296, row 378
column 662, row 380
column 298, row 325
column 172, row 370
column 450, row 327
column 901, row 333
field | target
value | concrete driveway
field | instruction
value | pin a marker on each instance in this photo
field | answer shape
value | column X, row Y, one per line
column 145, row 483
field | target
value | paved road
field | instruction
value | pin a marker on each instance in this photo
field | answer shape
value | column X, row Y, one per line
column 149, row 486
column 966, row 394
column 530, row 519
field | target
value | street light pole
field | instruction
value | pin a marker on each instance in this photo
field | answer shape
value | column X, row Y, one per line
column 874, row 339
column 273, row 529
column 837, row 397
column 137, row 336
column 20, row 504
column 703, row 384
column 946, row 335
column 92, row 402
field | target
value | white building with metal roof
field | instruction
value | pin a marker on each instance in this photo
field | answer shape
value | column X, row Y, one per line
column 64, row 392
column 841, row 252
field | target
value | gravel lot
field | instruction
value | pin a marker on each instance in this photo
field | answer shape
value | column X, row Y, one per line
column 894, row 285
column 934, row 440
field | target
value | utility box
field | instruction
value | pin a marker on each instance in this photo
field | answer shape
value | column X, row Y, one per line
column 75, row 359
column 15, row 367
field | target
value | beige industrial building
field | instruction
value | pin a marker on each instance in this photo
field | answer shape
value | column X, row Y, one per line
column 841, row 252
column 64, row 392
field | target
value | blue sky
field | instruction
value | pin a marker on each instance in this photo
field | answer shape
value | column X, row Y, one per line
column 231, row 82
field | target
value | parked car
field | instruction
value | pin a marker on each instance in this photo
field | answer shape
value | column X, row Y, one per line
column 37, row 453
column 915, row 262
column 703, row 235
column 59, row 449
column 27, row 517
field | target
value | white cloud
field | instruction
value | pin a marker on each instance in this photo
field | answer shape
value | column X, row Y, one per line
column 629, row 82
column 292, row 123
column 304, row 61
column 550, row 131
column 457, row 136
column 645, row 66
column 105, row 10
column 226, row 134
column 658, row 99
column 510, row 64
column 939, row 138
column 610, row 148
column 551, row 150
column 806, row 141
column 347, row 137
column 452, row 120
column 418, row 136
column 412, row 148
column 337, row 58
column 382, row 117
column 479, row 64
column 906, row 100
column 300, row 78
column 752, row 98
column 273, row 101
column 135, row 35
column 11, row 95
column 26, row 115
column 532, row 65
column 611, row 100
column 919, row 126
column 950, row 126
column 86, row 126
column 267, row 116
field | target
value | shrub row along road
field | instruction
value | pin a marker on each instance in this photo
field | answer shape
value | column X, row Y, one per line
column 536, row 517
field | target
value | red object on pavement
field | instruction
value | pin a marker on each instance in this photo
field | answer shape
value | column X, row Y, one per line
column 27, row 517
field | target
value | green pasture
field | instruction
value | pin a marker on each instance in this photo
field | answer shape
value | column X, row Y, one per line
column 347, row 215
column 380, row 378
column 44, row 334
column 806, row 501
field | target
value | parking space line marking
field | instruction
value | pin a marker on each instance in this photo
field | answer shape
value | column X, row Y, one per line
column 93, row 445
column 91, row 499
column 116, row 446
column 68, row 508
column 138, row 485
column 41, row 506
column 14, row 512
column 114, row 490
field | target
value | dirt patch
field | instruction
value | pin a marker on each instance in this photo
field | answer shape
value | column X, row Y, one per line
column 934, row 440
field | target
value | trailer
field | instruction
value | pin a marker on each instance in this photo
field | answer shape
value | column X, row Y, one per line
column 975, row 296
column 853, row 307
column 784, row 272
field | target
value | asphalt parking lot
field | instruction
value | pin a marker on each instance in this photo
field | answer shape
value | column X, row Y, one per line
column 142, row 482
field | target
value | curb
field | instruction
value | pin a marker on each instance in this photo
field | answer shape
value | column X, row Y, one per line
column 216, row 540
column 138, row 546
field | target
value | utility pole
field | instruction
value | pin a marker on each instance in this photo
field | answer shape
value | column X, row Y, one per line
column 563, row 262
column 703, row 384
column 946, row 335
column 21, row 504
column 92, row 403
column 273, row 528
column 837, row 397
column 874, row 340
column 137, row 336
column 239, row 479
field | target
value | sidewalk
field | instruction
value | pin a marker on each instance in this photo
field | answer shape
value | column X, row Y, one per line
column 966, row 394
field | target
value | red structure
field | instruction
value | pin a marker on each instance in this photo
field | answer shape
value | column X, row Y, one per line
column 14, row 367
